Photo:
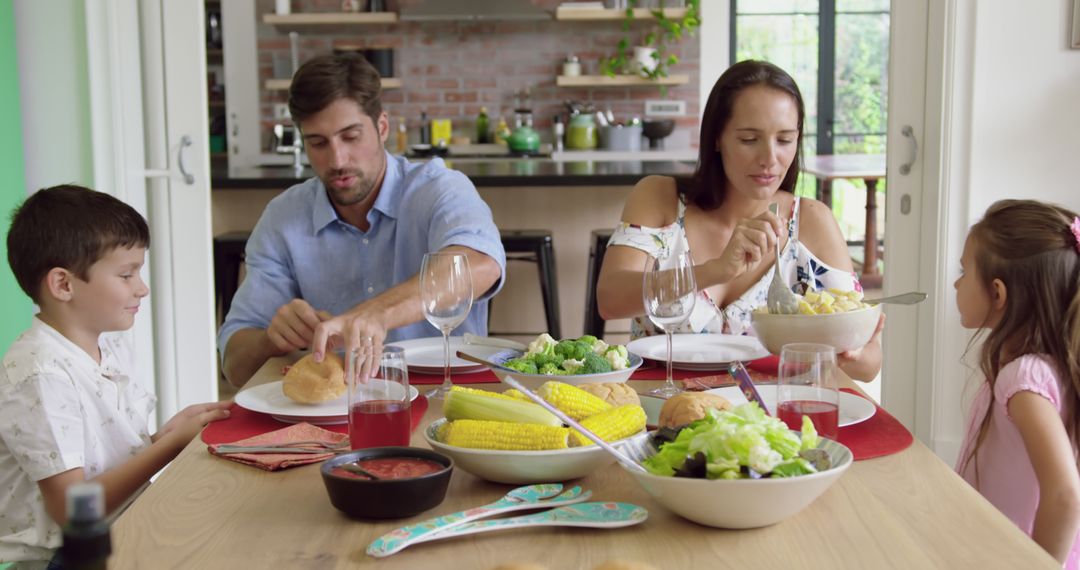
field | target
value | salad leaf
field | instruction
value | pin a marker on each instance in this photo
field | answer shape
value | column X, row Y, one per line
column 738, row 443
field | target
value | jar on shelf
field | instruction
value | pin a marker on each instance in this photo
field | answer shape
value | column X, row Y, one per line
column 572, row 66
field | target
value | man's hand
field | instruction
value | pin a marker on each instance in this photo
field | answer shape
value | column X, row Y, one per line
column 293, row 326
column 362, row 327
column 185, row 425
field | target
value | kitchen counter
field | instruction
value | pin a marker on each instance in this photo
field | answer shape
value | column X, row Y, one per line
column 484, row 172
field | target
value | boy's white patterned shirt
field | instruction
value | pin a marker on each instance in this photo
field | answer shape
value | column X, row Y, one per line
column 61, row 410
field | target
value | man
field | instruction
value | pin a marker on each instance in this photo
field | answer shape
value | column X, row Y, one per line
column 350, row 241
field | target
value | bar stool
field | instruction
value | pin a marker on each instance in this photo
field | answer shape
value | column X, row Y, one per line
column 536, row 246
column 594, row 324
column 228, row 256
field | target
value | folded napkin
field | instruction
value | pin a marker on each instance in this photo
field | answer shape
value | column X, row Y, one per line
column 274, row 461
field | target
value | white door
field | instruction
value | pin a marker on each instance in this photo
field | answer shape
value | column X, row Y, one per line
column 177, row 134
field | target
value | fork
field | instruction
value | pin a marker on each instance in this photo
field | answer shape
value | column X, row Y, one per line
column 780, row 300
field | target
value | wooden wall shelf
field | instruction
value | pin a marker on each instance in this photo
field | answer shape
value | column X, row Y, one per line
column 618, row 81
column 283, row 84
column 330, row 18
column 595, row 14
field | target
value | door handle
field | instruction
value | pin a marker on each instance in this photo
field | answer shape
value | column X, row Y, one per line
column 909, row 133
column 185, row 141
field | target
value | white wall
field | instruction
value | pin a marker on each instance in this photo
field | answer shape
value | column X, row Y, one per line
column 1022, row 140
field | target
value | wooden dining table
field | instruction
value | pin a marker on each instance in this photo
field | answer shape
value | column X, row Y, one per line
column 866, row 167
column 906, row 510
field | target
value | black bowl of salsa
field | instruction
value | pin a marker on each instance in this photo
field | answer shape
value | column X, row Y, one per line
column 410, row 480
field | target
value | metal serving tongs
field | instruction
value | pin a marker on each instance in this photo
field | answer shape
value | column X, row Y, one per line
column 528, row 497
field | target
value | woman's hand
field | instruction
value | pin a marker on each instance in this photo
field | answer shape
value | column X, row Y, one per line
column 751, row 242
column 864, row 363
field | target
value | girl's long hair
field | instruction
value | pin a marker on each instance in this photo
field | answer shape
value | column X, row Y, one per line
column 1031, row 248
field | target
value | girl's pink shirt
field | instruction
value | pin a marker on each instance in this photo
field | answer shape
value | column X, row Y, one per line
column 1006, row 477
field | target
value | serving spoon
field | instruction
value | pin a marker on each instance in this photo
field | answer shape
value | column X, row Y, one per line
column 528, row 497
column 901, row 299
column 780, row 299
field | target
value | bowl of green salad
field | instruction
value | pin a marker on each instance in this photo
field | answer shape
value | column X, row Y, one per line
column 583, row 360
column 739, row 468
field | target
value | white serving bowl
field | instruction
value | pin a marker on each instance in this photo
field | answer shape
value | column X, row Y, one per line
column 534, row 381
column 842, row 331
column 526, row 467
column 741, row 503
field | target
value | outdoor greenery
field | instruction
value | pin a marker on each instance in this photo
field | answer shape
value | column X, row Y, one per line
column 785, row 32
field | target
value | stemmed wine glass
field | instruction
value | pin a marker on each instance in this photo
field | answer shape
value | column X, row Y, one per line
column 669, row 293
column 446, row 293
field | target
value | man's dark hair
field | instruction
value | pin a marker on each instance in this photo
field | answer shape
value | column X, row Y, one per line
column 327, row 78
column 68, row 226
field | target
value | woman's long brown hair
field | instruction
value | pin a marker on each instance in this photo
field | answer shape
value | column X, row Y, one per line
column 1030, row 247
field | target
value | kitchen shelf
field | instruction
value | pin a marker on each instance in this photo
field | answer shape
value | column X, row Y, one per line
column 283, row 84
column 618, row 81
column 597, row 14
column 330, row 18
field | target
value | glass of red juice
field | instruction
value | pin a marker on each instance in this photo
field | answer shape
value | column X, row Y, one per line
column 378, row 398
column 808, row 386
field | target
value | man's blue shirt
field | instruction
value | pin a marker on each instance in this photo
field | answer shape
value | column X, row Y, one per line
column 301, row 249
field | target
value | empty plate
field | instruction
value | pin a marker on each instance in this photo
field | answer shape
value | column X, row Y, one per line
column 700, row 352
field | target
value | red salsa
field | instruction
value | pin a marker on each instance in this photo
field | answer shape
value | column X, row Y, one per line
column 392, row 468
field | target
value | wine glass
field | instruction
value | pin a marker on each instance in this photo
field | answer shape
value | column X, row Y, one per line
column 669, row 293
column 446, row 296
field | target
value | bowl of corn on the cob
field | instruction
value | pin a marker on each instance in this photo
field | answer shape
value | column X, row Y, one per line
column 507, row 438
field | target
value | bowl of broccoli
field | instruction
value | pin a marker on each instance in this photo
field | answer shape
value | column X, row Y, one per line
column 584, row 360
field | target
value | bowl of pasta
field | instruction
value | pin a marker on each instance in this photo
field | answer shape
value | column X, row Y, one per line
column 837, row 318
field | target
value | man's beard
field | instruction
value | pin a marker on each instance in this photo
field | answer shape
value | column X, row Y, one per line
column 354, row 194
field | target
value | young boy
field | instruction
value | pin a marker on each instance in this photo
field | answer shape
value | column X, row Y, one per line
column 69, row 409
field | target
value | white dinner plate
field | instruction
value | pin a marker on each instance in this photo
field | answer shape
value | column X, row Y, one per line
column 269, row 399
column 699, row 352
column 425, row 355
column 853, row 409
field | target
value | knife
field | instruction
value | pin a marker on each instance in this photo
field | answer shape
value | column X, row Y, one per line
column 742, row 378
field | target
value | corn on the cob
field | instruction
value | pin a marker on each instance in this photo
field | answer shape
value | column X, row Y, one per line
column 480, row 434
column 612, row 425
column 480, row 405
column 515, row 394
column 574, row 401
column 487, row 393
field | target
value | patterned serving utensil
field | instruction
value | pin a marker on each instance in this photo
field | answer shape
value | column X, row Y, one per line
column 528, row 497
column 595, row 515
column 742, row 378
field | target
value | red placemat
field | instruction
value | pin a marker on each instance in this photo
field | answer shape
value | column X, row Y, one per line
column 244, row 423
column 482, row 377
column 880, row 435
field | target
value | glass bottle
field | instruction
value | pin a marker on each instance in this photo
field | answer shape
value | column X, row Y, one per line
column 502, row 132
column 402, row 141
column 483, row 135
column 425, row 129
column 86, row 539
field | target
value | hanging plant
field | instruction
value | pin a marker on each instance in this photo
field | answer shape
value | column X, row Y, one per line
column 663, row 32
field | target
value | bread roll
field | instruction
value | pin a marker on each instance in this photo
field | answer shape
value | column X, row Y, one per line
column 686, row 407
column 614, row 393
column 310, row 382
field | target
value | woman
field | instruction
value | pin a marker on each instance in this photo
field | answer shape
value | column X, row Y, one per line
column 749, row 158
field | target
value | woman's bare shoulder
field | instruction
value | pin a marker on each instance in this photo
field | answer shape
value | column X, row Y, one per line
column 653, row 202
column 820, row 233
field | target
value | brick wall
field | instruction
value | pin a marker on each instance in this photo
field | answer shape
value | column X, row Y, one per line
column 451, row 69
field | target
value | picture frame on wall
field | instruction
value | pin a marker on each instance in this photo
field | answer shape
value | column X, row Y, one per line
column 1074, row 40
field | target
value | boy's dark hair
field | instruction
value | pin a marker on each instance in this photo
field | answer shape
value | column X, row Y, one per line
column 327, row 78
column 68, row 226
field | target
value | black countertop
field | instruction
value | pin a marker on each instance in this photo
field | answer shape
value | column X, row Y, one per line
column 494, row 172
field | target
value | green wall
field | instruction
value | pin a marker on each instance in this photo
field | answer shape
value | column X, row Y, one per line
column 15, row 307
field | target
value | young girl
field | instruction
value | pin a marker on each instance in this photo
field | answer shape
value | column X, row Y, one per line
column 1019, row 281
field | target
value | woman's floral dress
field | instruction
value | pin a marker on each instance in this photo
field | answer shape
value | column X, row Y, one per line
column 798, row 264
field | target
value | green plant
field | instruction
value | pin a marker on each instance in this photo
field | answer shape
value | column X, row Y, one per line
column 663, row 32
